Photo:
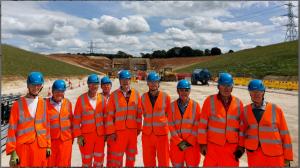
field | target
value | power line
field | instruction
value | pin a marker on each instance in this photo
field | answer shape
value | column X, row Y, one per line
column 291, row 31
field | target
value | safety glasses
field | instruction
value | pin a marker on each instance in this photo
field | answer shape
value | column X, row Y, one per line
column 184, row 90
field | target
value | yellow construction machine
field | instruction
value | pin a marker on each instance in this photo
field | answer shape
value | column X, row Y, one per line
column 167, row 74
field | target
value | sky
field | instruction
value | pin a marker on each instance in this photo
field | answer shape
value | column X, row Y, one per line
column 137, row 27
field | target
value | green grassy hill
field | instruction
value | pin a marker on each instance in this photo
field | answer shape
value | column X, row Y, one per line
column 276, row 60
column 19, row 62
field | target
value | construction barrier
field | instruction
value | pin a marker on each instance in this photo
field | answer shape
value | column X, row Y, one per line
column 287, row 85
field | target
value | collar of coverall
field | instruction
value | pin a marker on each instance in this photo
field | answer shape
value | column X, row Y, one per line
column 261, row 107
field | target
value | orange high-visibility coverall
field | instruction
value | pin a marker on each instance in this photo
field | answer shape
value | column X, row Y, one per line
column 268, row 142
column 220, row 130
column 29, row 137
column 124, row 119
column 155, row 130
column 61, row 134
column 184, row 128
column 89, row 123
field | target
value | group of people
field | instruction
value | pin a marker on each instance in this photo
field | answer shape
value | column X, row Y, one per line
column 42, row 130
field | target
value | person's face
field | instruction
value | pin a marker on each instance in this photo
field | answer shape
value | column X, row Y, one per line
column 257, row 96
column 34, row 89
column 58, row 95
column 225, row 90
column 184, row 94
column 153, row 85
column 106, row 87
column 125, row 83
column 93, row 87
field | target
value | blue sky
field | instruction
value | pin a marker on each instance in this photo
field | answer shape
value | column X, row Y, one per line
column 141, row 27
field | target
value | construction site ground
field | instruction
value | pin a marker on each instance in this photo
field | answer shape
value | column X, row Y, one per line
column 287, row 100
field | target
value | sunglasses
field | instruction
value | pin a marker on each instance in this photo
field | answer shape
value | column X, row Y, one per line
column 184, row 90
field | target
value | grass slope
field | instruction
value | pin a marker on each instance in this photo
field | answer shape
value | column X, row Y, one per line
column 276, row 60
column 19, row 62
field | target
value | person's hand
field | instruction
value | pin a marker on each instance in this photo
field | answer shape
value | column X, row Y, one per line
column 238, row 153
column 183, row 145
column 80, row 140
column 14, row 159
column 203, row 149
column 48, row 152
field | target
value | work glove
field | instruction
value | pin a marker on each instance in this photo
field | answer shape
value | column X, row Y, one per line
column 287, row 163
column 203, row 149
column 183, row 145
column 48, row 152
column 112, row 137
column 80, row 140
column 238, row 153
column 14, row 159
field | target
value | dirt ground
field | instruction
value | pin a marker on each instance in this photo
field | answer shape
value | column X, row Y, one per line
column 287, row 100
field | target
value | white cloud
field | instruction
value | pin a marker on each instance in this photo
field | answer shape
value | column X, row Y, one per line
column 126, row 25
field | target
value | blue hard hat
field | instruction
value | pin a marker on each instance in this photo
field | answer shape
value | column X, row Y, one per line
column 124, row 74
column 225, row 79
column 105, row 80
column 153, row 76
column 256, row 84
column 35, row 78
column 93, row 78
column 183, row 84
column 59, row 85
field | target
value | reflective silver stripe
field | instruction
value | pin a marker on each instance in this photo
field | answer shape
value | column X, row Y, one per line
column 245, row 112
column 85, row 113
column 232, row 129
column 48, row 136
column 54, row 117
column 194, row 133
column 284, row 132
column 177, row 121
column 99, row 124
column 155, row 124
column 287, row 146
column 131, row 150
column 110, row 113
column 39, row 121
column 77, row 116
column 203, row 121
column 143, row 102
column 98, row 163
column 268, row 129
column 202, row 131
column 212, row 105
column 52, row 126
column 87, row 156
column 99, row 115
column 252, row 137
column 39, row 132
column 139, row 120
column 273, row 115
column 22, row 119
column 187, row 121
column 170, row 123
column 86, row 165
column 132, row 117
column 186, row 131
column 241, row 134
column 88, row 121
column 196, row 123
column 157, row 114
column 12, row 126
column 130, row 158
column 193, row 112
column 214, row 118
column 76, row 126
column 64, row 118
column 109, row 123
column 12, row 139
column 103, row 101
column 232, row 117
column 120, row 118
column 177, row 164
column 65, row 128
column 218, row 130
column 82, row 103
column 270, row 141
column 24, row 131
column 252, row 126
column 115, row 153
column 115, row 161
column 136, row 97
column 98, row 154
